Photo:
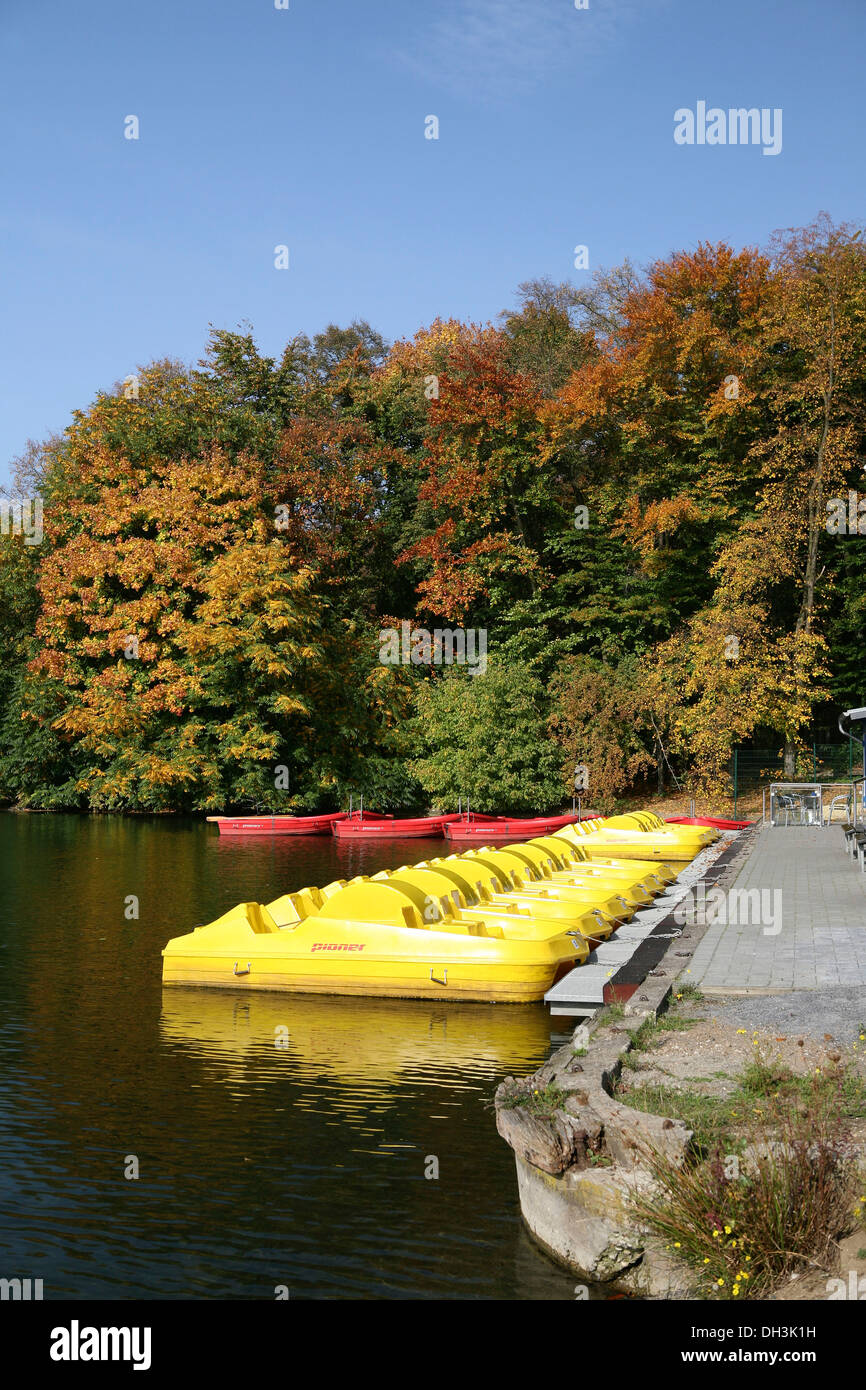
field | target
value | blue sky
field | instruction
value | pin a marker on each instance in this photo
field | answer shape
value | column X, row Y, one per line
column 305, row 127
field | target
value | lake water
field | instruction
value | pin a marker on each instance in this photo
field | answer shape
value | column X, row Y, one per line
column 259, row 1165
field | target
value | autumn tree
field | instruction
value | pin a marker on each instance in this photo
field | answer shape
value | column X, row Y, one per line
column 756, row 654
column 627, row 483
column 602, row 722
column 483, row 493
column 185, row 644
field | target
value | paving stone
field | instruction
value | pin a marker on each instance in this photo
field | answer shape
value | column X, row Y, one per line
column 822, row 937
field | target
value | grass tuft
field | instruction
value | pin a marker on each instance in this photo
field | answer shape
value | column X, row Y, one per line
column 543, row 1101
column 748, row 1208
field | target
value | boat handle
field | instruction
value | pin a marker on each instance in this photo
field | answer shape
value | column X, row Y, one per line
column 235, row 970
column 439, row 982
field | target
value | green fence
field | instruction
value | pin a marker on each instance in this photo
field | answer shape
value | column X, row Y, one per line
column 754, row 768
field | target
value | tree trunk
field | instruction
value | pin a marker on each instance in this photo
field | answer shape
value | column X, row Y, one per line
column 519, row 519
column 816, row 518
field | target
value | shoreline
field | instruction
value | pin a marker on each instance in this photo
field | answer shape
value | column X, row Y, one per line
column 582, row 1162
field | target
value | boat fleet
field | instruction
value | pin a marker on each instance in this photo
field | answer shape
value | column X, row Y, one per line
column 365, row 825
column 497, row 924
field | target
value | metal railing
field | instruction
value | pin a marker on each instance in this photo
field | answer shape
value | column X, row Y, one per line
column 815, row 803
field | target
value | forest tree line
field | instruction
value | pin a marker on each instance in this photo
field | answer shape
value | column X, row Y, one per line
column 625, row 487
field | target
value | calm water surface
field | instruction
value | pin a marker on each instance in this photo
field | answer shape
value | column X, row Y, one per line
column 259, row 1165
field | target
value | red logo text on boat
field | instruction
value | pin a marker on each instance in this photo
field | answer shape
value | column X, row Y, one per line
column 336, row 946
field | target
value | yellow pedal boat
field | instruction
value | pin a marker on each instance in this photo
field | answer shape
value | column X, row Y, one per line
column 491, row 925
column 638, row 837
column 519, row 875
column 483, row 886
column 539, row 865
column 439, row 897
column 370, row 937
column 564, row 856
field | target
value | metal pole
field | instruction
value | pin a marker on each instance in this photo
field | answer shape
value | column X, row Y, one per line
column 735, row 784
column 763, row 804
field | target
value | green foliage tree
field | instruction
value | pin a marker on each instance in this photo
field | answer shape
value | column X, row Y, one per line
column 484, row 738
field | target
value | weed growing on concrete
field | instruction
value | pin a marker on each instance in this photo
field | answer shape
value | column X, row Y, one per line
column 745, row 1219
column 688, row 994
column 539, row 1101
column 708, row 1118
column 611, row 1013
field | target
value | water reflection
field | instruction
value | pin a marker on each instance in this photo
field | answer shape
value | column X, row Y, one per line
column 372, row 1043
column 301, row 1164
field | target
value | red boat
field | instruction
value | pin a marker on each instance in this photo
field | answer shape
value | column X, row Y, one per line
column 392, row 829
column 277, row 825
column 421, row 827
column 503, row 831
column 714, row 821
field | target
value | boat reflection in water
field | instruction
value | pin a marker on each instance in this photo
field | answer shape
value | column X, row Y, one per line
column 339, row 1105
column 374, row 1043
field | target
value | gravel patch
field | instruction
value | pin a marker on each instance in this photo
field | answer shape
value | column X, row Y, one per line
column 839, row 1012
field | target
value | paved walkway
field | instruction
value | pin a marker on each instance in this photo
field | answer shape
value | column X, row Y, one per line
column 809, row 931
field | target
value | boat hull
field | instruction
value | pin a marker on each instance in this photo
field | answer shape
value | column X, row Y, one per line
column 420, row 828
column 336, row 956
column 506, row 832
column 482, row 984
column 277, row 825
column 714, row 822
